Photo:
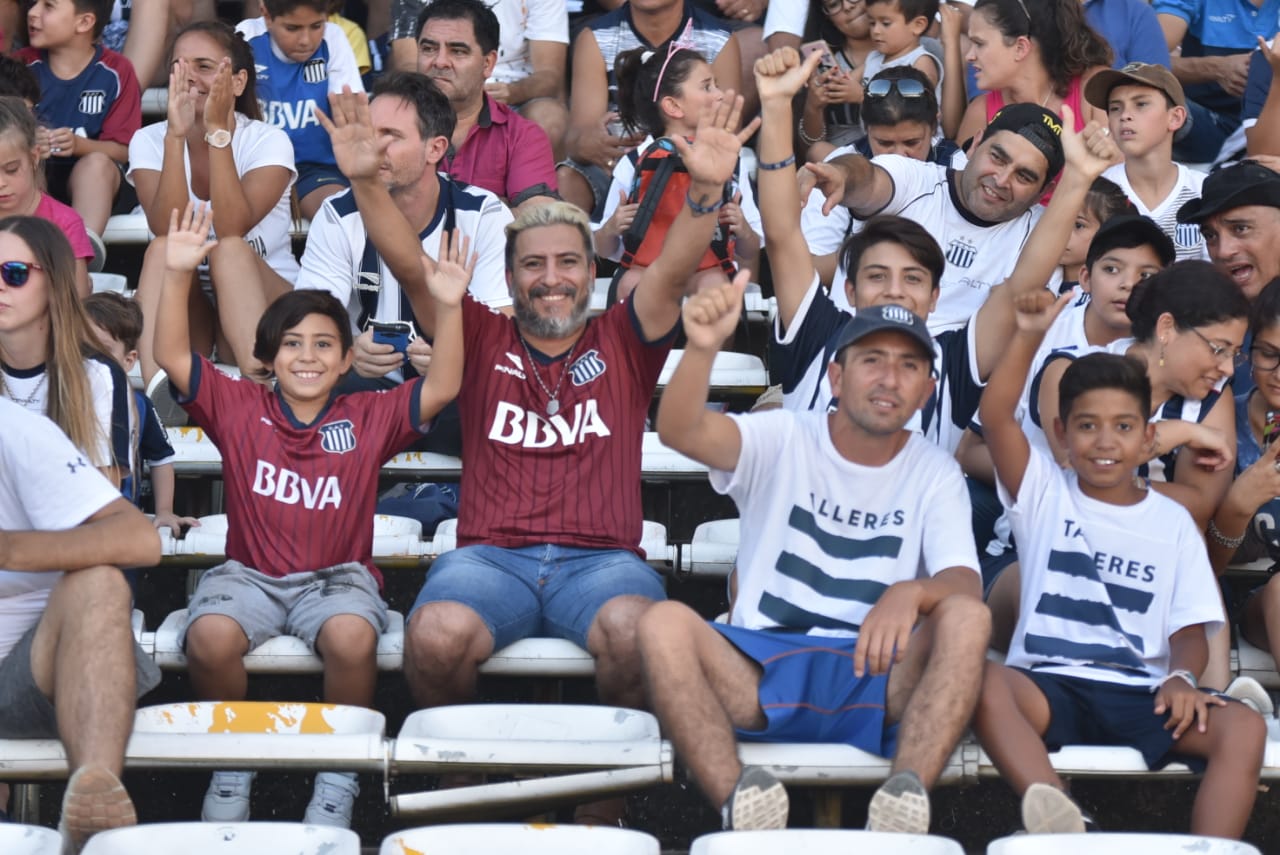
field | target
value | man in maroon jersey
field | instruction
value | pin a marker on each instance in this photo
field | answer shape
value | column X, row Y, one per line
column 552, row 408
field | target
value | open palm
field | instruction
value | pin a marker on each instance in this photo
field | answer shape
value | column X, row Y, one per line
column 355, row 145
column 713, row 156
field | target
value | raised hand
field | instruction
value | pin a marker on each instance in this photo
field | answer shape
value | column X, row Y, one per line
column 1089, row 151
column 1210, row 448
column 449, row 276
column 1271, row 53
column 181, row 112
column 952, row 24
column 220, row 104
column 356, row 147
column 711, row 316
column 842, row 88
column 1035, row 312
column 781, row 74
column 187, row 243
column 713, row 156
column 828, row 179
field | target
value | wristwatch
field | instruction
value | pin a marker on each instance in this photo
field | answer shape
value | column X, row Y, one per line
column 218, row 139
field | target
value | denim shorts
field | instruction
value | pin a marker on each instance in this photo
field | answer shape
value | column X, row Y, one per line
column 312, row 176
column 543, row 590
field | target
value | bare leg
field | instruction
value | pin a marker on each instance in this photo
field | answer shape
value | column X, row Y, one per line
column 1012, row 716
column 1261, row 623
column 751, row 47
column 612, row 640
column 150, row 283
column 93, row 184
column 309, row 204
column 245, row 285
column 552, row 116
column 1233, row 744
column 700, row 687
column 82, row 658
column 404, row 55
column 445, row 644
column 348, row 644
column 216, row 646
column 934, row 690
column 574, row 188
column 1003, row 600
column 1217, row 673
column 148, row 40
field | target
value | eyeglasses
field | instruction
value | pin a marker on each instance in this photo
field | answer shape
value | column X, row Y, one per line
column 1238, row 357
column 833, row 6
column 16, row 273
column 880, row 87
column 1264, row 360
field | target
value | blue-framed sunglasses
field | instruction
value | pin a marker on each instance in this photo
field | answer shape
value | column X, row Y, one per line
column 16, row 273
column 880, row 87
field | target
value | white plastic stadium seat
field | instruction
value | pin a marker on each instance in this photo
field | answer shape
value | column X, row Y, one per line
column 741, row 373
column 108, row 282
column 209, row 838
column 284, row 654
column 29, row 840
column 393, row 537
column 490, row 838
column 713, row 549
column 127, row 228
column 822, row 842
column 586, row 751
column 1093, row 761
column 1258, row 664
column 540, row 657
column 831, row 764
column 653, row 540
column 1118, row 844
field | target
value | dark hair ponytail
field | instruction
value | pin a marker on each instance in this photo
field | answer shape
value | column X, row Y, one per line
column 640, row 89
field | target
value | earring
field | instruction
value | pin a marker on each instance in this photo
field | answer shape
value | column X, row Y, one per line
column 1162, row 354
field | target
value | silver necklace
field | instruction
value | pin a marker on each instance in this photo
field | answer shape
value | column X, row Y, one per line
column 30, row 399
column 553, row 395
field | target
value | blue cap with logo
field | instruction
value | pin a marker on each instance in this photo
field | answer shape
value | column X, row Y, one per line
column 890, row 318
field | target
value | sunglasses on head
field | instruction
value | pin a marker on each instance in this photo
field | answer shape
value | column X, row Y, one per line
column 880, row 87
column 16, row 273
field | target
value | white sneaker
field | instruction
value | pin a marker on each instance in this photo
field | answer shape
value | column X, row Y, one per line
column 1250, row 692
column 901, row 804
column 334, row 797
column 227, row 799
column 758, row 801
column 1048, row 810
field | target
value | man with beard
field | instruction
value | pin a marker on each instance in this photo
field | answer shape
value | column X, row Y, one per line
column 553, row 410
column 390, row 149
column 981, row 216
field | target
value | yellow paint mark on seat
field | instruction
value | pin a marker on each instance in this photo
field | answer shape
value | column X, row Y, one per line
column 261, row 717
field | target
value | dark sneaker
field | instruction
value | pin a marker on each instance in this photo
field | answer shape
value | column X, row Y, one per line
column 95, row 801
column 1048, row 810
column 901, row 804
column 758, row 801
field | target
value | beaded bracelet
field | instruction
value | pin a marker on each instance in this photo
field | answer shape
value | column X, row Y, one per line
column 1221, row 539
column 699, row 210
column 808, row 140
column 1180, row 674
column 781, row 164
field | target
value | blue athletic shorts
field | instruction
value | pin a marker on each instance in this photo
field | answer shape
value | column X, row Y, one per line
column 1093, row 712
column 542, row 590
column 314, row 175
column 808, row 691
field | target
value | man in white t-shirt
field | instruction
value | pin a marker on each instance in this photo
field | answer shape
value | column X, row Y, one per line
column 981, row 216
column 855, row 550
column 68, row 661
column 389, row 148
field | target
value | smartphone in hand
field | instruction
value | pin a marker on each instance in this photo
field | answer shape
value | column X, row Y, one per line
column 398, row 334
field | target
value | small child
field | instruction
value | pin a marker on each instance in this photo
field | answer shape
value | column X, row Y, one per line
column 896, row 29
column 300, row 465
column 117, row 321
column 300, row 59
column 663, row 94
column 90, row 101
column 1117, row 600
column 1146, row 110
column 20, row 191
column 831, row 116
column 1103, row 201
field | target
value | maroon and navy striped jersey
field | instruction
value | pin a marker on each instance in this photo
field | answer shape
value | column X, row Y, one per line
column 571, row 477
column 300, row 497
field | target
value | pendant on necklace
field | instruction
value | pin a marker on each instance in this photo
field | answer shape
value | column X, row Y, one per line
column 553, row 406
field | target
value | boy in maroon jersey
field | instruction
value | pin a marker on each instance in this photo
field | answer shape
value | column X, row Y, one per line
column 301, row 471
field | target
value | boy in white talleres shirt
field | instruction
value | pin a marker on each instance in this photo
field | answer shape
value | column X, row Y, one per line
column 1146, row 108
column 1117, row 600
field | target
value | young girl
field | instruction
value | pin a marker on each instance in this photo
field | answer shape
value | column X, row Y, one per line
column 300, row 494
column 50, row 361
column 214, row 147
column 20, row 193
column 831, row 103
column 1104, row 201
column 662, row 94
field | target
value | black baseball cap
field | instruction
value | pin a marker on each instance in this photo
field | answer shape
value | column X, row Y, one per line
column 880, row 318
column 1038, row 126
column 1129, row 230
column 1245, row 183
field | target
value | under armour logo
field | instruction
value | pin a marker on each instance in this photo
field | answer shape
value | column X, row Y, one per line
column 73, row 465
